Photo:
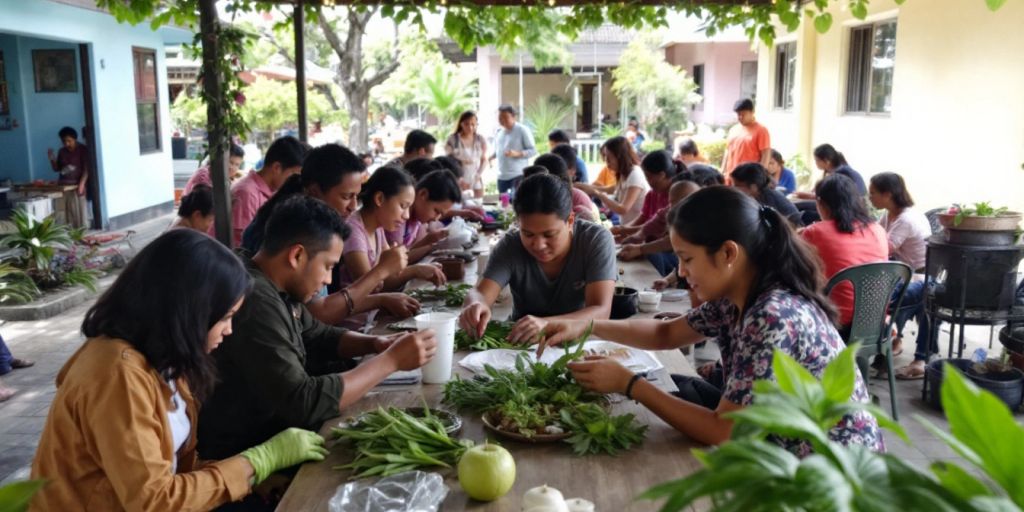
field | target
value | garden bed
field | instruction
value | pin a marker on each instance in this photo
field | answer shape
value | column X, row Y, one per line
column 54, row 302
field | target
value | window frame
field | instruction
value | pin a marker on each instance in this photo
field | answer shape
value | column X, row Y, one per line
column 699, row 84
column 864, row 75
column 782, row 81
column 138, row 56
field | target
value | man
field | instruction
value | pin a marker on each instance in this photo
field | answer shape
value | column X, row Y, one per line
column 236, row 155
column 418, row 144
column 689, row 153
column 748, row 141
column 513, row 147
column 283, row 159
column 557, row 137
column 8, row 363
column 271, row 366
column 71, row 162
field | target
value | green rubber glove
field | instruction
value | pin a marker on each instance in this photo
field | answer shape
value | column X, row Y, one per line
column 286, row 449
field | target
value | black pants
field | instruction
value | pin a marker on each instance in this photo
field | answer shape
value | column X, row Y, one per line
column 696, row 390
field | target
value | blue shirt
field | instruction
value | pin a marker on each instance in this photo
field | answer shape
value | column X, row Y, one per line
column 518, row 138
column 848, row 171
column 581, row 171
column 787, row 182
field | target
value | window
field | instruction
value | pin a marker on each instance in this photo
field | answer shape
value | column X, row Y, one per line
column 147, row 104
column 870, row 73
column 785, row 75
column 748, row 79
column 698, row 79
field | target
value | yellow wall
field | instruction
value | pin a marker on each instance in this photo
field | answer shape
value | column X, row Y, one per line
column 537, row 86
column 956, row 132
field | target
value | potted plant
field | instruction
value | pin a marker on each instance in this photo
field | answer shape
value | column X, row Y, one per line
column 980, row 217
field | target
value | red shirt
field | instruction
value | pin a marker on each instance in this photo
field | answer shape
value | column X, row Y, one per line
column 654, row 201
column 72, row 164
column 842, row 250
column 201, row 177
column 745, row 145
column 247, row 195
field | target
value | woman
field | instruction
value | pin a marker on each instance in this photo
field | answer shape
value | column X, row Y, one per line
column 196, row 210
column 762, row 286
column 659, row 171
column 386, row 198
column 630, row 187
column 582, row 206
column 845, row 237
column 907, row 231
column 126, row 441
column 785, row 179
column 830, row 162
column 436, row 193
column 753, row 180
column 470, row 148
column 556, row 266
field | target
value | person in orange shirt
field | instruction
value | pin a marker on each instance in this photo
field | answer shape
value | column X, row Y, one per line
column 606, row 178
column 748, row 141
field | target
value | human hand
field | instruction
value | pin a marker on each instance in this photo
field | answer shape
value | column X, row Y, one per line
column 429, row 272
column 81, row 188
column 412, row 350
column 381, row 343
column 558, row 331
column 433, row 237
column 601, row 374
column 474, row 319
column 528, row 329
column 394, row 260
column 50, row 154
column 288, row 448
column 398, row 304
column 631, row 252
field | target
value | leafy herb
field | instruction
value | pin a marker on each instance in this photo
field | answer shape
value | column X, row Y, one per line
column 453, row 294
column 495, row 336
column 390, row 441
column 596, row 431
column 982, row 209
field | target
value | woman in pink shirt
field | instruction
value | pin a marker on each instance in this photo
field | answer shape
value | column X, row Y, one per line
column 845, row 237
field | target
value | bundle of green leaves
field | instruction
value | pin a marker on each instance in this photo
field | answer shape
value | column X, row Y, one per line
column 453, row 294
column 752, row 473
column 495, row 336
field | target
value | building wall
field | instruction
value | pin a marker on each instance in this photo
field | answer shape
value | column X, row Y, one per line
column 722, row 63
column 539, row 86
column 129, row 181
column 13, row 143
column 956, row 132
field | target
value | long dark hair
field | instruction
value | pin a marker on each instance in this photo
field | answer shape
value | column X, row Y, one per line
column 200, row 199
column 386, row 180
column 829, row 154
column 462, row 118
column 711, row 216
column 167, row 299
column 660, row 162
column 839, row 193
column 752, row 173
column 892, row 183
column 625, row 156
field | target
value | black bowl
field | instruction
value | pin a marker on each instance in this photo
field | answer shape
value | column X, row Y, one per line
column 625, row 303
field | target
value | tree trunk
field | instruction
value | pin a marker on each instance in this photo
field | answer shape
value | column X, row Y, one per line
column 217, row 136
column 359, row 112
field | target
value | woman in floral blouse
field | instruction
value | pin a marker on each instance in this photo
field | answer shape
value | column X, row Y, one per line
column 762, row 290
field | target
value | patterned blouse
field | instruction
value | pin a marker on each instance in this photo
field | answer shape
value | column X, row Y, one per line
column 781, row 319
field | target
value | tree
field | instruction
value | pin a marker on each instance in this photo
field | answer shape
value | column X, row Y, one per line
column 400, row 90
column 445, row 91
column 658, row 91
column 270, row 106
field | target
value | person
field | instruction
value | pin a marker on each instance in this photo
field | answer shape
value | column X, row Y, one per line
column 631, row 185
column 334, row 174
column 785, row 179
column 703, row 175
column 634, row 135
column 689, row 153
column 196, row 210
column 386, row 198
column 236, row 155
column 558, row 137
column 830, row 161
column 907, row 231
column 659, row 171
column 272, row 367
column 572, row 160
column 283, row 159
column 582, row 206
column 747, row 141
column 418, row 144
column 555, row 265
column 513, row 147
column 762, row 290
column 8, row 363
column 72, row 163
column 845, row 237
column 121, row 432
column 652, row 239
column 753, row 179
column 470, row 149
column 466, row 207
column 436, row 193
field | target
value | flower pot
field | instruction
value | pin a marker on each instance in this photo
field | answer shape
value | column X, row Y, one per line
column 1007, row 385
column 453, row 268
column 625, row 303
column 1006, row 221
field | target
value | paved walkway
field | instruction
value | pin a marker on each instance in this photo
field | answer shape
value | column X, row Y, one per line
column 50, row 343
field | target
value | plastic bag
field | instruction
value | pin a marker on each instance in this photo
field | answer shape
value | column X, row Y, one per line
column 459, row 234
column 412, row 491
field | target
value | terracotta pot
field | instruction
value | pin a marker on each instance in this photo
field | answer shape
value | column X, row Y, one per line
column 1007, row 221
column 453, row 268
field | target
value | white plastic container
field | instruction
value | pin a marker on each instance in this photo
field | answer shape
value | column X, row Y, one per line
column 439, row 369
column 649, row 301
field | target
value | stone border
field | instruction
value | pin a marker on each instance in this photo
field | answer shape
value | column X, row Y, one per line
column 54, row 303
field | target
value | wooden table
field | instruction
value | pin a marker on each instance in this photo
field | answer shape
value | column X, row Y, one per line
column 611, row 483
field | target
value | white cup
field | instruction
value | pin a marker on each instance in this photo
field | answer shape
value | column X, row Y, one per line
column 439, row 369
column 649, row 301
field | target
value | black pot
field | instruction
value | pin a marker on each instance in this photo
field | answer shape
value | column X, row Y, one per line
column 625, row 303
column 1008, row 386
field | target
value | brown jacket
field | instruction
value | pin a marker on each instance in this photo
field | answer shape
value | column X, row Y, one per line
column 107, row 444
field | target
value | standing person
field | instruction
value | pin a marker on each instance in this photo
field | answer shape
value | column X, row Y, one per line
column 631, row 184
column 753, row 180
column 555, row 265
column 785, row 179
column 121, row 432
column 196, row 210
column 470, row 149
column 513, row 147
column 72, row 163
column 236, row 156
column 418, row 144
column 748, row 141
column 558, row 137
column 283, row 159
column 269, row 368
column 762, row 287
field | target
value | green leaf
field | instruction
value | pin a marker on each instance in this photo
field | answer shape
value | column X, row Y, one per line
column 994, row 5
column 840, row 375
column 784, row 423
column 824, row 487
column 16, row 497
column 859, row 9
column 958, row 481
column 823, row 22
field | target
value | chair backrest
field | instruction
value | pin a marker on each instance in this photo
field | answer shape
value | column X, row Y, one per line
column 873, row 286
column 933, row 219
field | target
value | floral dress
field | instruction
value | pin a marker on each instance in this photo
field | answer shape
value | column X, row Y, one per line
column 781, row 320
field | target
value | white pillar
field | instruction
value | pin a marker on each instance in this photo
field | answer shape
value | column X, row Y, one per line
column 488, row 65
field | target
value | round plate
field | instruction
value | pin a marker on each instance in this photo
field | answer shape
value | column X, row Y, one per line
column 673, row 295
column 515, row 436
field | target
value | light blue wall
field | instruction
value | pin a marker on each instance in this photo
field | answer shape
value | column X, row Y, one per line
column 14, row 161
column 130, row 181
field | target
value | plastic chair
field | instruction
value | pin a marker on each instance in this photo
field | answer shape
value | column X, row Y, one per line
column 873, row 286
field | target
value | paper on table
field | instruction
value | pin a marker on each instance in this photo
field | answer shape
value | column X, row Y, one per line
column 637, row 360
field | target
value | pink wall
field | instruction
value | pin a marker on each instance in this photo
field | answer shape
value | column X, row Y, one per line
column 722, row 62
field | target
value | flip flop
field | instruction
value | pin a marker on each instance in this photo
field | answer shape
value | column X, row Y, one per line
column 21, row 363
column 5, row 394
column 910, row 373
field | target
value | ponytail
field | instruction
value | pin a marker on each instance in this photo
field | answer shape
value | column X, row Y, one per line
column 752, row 173
column 199, row 200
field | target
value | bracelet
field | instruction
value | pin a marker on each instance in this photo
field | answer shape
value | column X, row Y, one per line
column 348, row 300
column 629, row 387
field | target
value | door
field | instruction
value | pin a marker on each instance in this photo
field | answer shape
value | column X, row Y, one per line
column 587, row 107
column 89, row 134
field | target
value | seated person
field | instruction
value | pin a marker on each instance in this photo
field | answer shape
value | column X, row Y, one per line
column 845, row 237
column 761, row 286
column 652, row 240
column 753, row 180
column 557, row 138
column 418, row 144
column 196, row 210
column 556, row 266
column 631, row 186
column 268, row 368
column 572, row 161
column 659, row 171
column 468, row 208
column 582, row 206
column 236, row 156
column 435, row 194
column 689, row 153
column 785, row 179
column 121, row 432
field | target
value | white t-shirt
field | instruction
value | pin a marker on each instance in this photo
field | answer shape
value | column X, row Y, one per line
column 635, row 179
column 179, row 423
column 908, row 235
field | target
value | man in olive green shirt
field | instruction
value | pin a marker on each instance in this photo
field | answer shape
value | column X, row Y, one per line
column 265, row 383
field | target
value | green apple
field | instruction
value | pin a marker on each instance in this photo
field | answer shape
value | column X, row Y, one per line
column 487, row 472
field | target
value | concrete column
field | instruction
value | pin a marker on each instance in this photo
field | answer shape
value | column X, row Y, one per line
column 488, row 66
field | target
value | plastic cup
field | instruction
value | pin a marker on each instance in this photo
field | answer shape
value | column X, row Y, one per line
column 439, row 369
column 506, row 199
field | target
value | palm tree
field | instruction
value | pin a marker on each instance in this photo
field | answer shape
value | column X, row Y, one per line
column 445, row 93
